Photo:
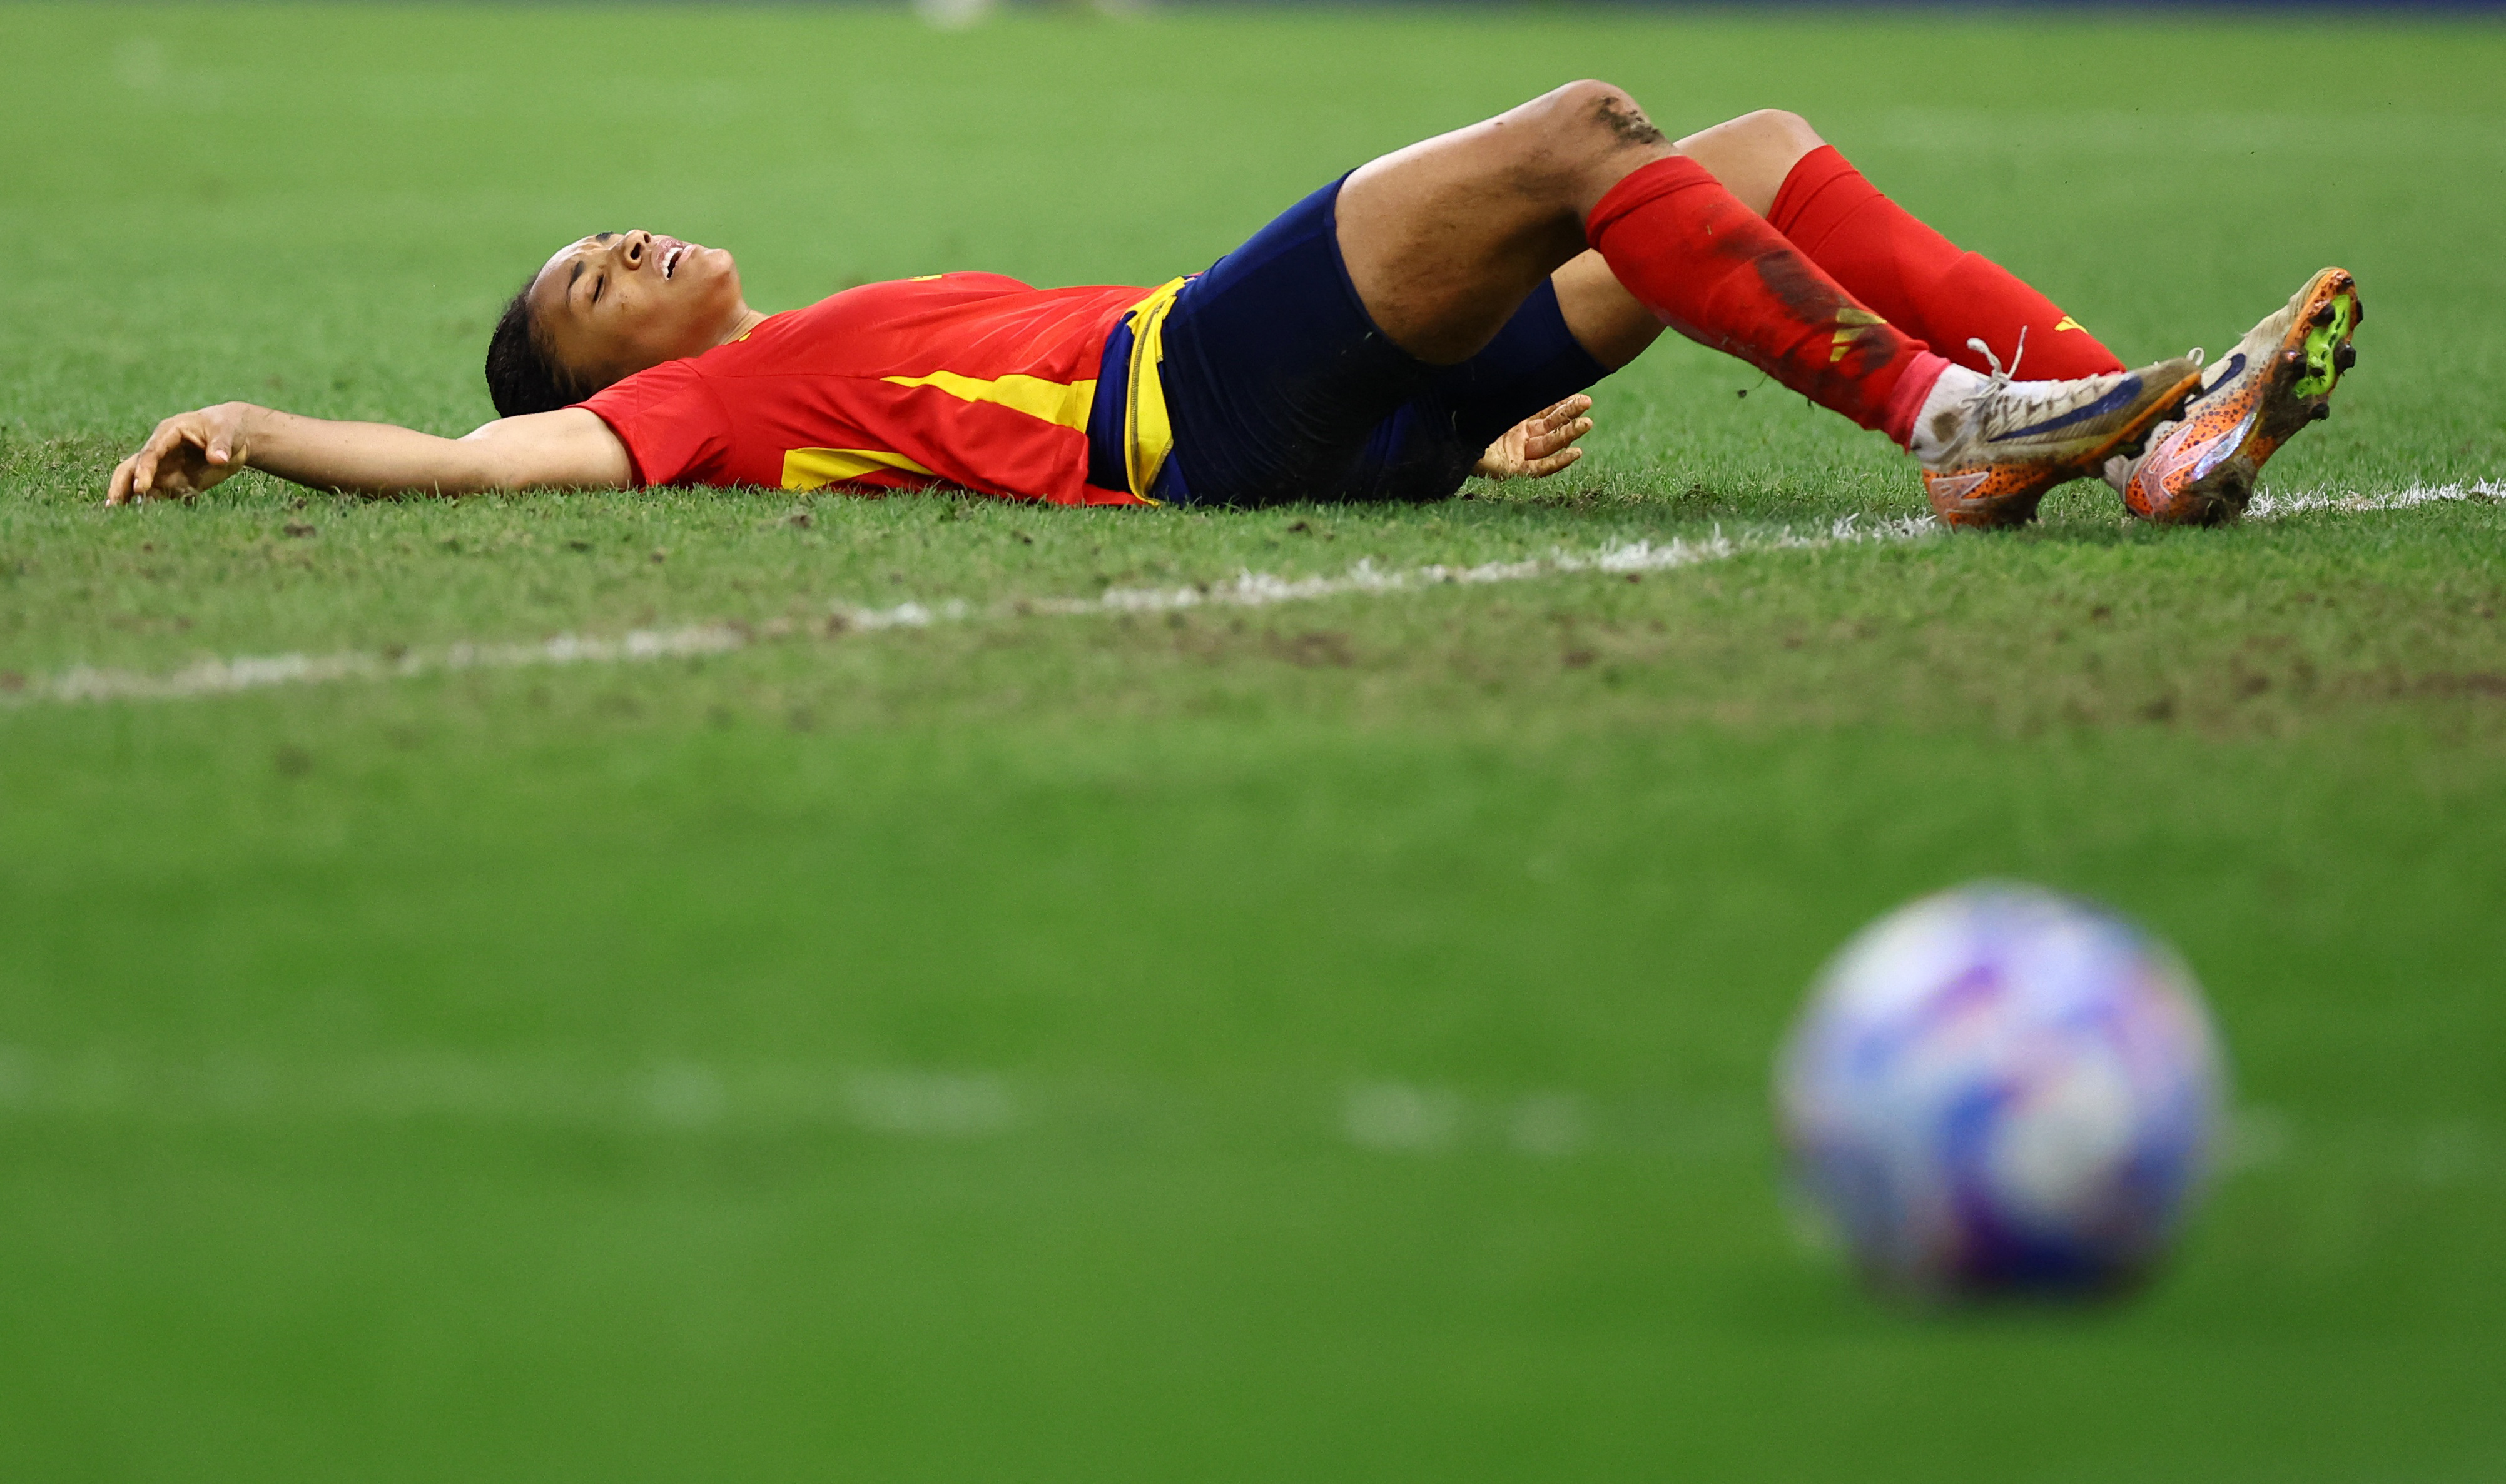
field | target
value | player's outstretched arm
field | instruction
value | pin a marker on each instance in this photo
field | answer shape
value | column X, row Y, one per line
column 194, row 451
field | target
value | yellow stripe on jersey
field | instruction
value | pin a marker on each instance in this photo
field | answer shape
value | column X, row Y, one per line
column 1062, row 403
column 817, row 468
column 1146, row 436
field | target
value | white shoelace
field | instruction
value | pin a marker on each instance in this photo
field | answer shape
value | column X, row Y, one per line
column 1996, row 405
column 2000, row 377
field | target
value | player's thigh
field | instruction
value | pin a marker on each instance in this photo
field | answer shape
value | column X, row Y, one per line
column 1445, row 238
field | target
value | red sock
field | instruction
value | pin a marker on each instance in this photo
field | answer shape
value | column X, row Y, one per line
column 1920, row 280
column 1713, row 269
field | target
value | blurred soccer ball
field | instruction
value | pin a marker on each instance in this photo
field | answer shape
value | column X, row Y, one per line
column 1998, row 1088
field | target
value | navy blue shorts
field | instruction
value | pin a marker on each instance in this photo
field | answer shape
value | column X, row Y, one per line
column 1280, row 387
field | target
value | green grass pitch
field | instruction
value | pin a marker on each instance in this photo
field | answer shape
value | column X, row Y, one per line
column 1316, row 1041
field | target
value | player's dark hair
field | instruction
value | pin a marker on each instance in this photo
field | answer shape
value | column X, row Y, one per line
column 522, row 378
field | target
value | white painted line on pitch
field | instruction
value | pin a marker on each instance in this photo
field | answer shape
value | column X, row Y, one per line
column 1401, row 1118
column 671, row 1096
column 1378, row 1116
column 2274, row 507
column 1248, row 589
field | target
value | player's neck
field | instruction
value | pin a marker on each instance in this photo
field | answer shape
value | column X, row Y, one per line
column 742, row 324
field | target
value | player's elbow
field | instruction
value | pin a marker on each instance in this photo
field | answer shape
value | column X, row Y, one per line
column 566, row 449
column 491, row 458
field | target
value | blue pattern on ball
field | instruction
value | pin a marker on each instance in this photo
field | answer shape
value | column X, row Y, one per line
column 2002, row 1089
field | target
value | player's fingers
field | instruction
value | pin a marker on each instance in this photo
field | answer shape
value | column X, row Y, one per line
column 1561, row 413
column 1542, row 445
column 1541, row 468
column 1572, row 431
column 170, row 437
column 174, row 431
column 143, row 464
column 117, row 490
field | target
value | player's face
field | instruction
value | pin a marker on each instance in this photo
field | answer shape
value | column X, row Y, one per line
column 619, row 301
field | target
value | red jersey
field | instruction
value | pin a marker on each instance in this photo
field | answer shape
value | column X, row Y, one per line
column 965, row 379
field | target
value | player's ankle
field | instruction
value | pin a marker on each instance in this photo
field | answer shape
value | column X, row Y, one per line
column 1937, row 423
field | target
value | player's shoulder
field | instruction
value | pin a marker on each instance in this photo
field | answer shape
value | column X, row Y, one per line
column 668, row 379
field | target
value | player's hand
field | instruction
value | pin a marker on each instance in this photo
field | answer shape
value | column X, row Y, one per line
column 1540, row 444
column 188, row 453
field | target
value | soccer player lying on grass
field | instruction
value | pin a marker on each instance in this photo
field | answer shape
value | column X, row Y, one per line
column 1435, row 313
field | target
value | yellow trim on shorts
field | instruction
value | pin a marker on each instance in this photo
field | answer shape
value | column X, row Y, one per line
column 1147, row 437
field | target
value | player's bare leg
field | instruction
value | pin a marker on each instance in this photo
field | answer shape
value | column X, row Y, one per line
column 1446, row 238
column 1604, row 318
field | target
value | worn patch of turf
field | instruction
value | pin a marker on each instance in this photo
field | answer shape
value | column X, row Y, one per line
column 1317, row 1041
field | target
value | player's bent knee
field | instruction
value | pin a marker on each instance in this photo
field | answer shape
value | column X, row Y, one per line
column 1604, row 112
column 1777, row 130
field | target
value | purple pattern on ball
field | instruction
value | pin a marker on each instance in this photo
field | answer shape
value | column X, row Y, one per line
column 1998, row 1088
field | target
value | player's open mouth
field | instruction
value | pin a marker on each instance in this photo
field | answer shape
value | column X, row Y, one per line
column 670, row 258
